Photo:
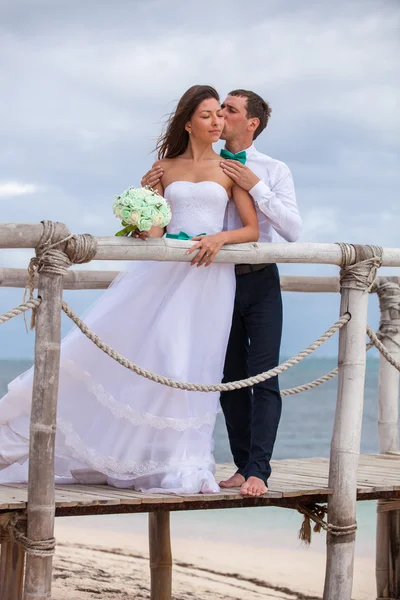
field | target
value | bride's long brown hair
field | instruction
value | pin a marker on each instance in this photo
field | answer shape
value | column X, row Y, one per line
column 174, row 141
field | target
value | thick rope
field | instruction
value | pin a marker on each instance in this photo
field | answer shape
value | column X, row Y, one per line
column 198, row 387
column 316, row 513
column 306, row 387
column 382, row 349
column 389, row 300
column 19, row 310
column 288, row 392
column 13, row 528
column 34, row 303
column 57, row 250
column 388, row 291
column 359, row 266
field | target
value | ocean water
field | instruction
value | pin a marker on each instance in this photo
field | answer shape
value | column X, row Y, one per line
column 305, row 430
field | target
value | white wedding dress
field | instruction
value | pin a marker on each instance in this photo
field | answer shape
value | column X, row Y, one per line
column 112, row 425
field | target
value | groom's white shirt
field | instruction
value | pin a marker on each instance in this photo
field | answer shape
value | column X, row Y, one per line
column 274, row 197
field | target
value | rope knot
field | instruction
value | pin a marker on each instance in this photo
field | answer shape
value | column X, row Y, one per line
column 13, row 528
column 359, row 266
column 316, row 513
column 57, row 250
column 388, row 291
column 7, row 522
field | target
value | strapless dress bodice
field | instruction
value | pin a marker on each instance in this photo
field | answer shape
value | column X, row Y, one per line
column 196, row 207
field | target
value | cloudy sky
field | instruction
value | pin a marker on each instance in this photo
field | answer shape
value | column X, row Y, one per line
column 85, row 85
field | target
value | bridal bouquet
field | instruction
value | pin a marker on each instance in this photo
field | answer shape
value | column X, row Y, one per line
column 140, row 209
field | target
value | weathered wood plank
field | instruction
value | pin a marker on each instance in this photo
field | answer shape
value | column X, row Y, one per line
column 291, row 478
column 99, row 280
column 17, row 235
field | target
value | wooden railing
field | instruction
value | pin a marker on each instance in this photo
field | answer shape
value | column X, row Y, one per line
column 345, row 446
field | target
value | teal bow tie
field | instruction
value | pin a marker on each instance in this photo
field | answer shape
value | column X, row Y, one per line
column 240, row 156
column 182, row 236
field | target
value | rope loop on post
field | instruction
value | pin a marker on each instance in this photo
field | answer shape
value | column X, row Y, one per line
column 57, row 250
column 316, row 513
column 13, row 528
column 359, row 266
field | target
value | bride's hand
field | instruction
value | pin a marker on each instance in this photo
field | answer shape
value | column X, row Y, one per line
column 142, row 235
column 155, row 232
column 208, row 247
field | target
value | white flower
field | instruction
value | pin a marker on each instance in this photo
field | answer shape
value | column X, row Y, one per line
column 142, row 208
column 134, row 218
column 158, row 220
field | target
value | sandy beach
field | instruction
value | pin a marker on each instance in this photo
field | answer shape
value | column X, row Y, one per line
column 100, row 563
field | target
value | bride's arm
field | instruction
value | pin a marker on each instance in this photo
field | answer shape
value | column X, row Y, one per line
column 245, row 206
column 208, row 246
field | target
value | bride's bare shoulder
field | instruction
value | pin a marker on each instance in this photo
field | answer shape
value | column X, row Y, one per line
column 163, row 163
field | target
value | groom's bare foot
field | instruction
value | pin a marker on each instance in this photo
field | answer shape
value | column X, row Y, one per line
column 254, row 486
column 235, row 481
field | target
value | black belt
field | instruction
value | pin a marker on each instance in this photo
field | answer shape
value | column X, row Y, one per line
column 245, row 269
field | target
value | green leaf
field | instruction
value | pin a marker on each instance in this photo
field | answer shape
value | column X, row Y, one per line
column 126, row 230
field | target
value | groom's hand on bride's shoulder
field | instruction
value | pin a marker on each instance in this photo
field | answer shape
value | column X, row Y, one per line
column 242, row 175
column 152, row 177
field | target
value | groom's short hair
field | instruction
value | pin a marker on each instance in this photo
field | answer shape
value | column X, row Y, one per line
column 256, row 107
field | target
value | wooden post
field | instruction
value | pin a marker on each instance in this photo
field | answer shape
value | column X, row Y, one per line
column 11, row 571
column 382, row 554
column 345, row 446
column 41, row 504
column 388, row 523
column 160, row 556
column 394, row 554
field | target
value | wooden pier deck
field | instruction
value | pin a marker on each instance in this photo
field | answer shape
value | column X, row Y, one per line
column 293, row 481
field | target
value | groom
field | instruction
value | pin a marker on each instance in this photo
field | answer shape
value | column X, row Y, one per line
column 252, row 415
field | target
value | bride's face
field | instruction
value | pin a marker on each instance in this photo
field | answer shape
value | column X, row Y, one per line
column 207, row 122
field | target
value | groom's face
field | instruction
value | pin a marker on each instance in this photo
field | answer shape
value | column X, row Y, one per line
column 234, row 109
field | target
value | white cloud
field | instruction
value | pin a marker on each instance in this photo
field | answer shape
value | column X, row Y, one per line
column 319, row 223
column 11, row 189
column 85, row 87
column 100, row 85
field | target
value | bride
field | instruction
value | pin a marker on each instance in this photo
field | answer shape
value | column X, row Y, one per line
column 172, row 318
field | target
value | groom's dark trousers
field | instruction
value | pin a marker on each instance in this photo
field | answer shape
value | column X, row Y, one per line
column 252, row 414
